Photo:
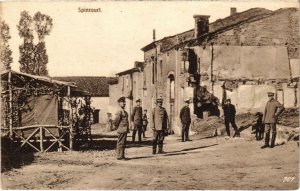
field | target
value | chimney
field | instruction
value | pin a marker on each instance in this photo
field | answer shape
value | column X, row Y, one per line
column 153, row 35
column 233, row 11
column 201, row 25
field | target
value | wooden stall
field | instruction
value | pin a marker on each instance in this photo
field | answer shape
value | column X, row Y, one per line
column 42, row 114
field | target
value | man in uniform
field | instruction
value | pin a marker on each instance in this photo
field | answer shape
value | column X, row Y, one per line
column 145, row 123
column 229, row 115
column 272, row 110
column 137, row 120
column 185, row 118
column 160, row 126
column 122, row 125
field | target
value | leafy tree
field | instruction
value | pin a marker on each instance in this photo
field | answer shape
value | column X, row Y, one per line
column 43, row 25
column 5, row 51
column 27, row 48
column 34, row 58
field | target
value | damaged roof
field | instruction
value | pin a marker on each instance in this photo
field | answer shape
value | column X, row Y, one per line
column 220, row 25
column 129, row 71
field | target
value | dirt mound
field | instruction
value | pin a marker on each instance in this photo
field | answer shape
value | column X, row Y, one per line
column 206, row 127
column 290, row 117
column 215, row 125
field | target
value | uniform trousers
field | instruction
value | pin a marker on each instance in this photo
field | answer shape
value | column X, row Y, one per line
column 158, row 139
column 121, row 144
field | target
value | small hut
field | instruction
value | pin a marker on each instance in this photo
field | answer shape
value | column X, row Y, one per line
column 43, row 114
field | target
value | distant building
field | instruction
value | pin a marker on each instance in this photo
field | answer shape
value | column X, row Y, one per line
column 242, row 57
column 98, row 87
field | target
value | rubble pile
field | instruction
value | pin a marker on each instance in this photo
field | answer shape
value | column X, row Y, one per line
column 206, row 127
column 290, row 117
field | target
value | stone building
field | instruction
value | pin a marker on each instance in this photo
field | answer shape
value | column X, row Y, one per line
column 242, row 57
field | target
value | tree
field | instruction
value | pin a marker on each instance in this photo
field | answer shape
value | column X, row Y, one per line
column 43, row 26
column 27, row 48
column 34, row 58
column 5, row 52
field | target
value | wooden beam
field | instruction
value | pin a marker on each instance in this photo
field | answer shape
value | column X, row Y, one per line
column 36, row 126
column 26, row 142
column 10, row 106
column 41, row 139
column 70, row 118
column 56, row 140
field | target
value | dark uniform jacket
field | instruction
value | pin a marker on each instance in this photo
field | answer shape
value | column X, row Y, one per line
column 159, row 118
column 272, row 110
column 145, row 120
column 121, row 122
column 229, row 111
column 185, row 115
column 137, row 115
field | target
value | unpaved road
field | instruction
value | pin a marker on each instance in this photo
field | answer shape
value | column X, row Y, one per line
column 207, row 163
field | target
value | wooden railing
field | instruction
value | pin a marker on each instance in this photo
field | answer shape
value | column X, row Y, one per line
column 43, row 130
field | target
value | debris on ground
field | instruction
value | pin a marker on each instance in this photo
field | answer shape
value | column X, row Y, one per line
column 290, row 117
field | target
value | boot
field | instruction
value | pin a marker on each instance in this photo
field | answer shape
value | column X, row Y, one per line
column 267, row 139
column 160, row 150
column 273, row 139
column 133, row 136
column 154, row 149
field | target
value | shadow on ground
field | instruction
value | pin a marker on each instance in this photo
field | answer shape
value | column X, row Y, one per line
column 11, row 160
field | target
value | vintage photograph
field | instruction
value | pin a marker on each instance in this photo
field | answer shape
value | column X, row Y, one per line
column 150, row 95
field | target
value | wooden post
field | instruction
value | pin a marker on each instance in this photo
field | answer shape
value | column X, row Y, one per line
column 41, row 139
column 10, row 109
column 70, row 118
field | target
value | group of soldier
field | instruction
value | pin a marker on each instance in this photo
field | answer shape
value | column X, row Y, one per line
column 161, row 126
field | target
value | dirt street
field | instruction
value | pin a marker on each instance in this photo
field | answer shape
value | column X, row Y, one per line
column 204, row 163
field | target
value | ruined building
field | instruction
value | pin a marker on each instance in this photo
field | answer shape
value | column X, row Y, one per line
column 241, row 57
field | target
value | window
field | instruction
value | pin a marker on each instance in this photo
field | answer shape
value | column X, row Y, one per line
column 127, row 82
column 154, row 71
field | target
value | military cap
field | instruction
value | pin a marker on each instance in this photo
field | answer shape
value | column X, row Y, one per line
column 121, row 99
column 138, row 100
column 271, row 93
column 187, row 100
column 159, row 100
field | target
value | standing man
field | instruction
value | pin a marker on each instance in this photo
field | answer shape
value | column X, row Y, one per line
column 229, row 115
column 137, row 120
column 122, row 125
column 160, row 126
column 185, row 117
column 272, row 110
column 145, row 122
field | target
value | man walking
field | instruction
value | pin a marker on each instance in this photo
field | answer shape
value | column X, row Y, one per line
column 229, row 115
column 272, row 110
column 185, row 117
column 137, row 120
column 122, row 125
column 160, row 126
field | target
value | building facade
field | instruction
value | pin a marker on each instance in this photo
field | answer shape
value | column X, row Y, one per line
column 240, row 57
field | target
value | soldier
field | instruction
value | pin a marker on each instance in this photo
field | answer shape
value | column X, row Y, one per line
column 145, row 122
column 185, row 117
column 160, row 126
column 137, row 120
column 272, row 110
column 122, row 126
column 229, row 115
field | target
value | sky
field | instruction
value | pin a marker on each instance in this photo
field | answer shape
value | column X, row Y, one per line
column 104, row 43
